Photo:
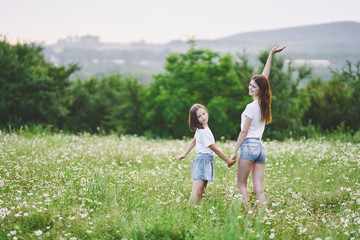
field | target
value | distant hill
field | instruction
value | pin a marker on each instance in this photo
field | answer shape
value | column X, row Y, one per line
column 322, row 46
column 329, row 41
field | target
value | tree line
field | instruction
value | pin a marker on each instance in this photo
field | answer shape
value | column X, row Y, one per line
column 35, row 92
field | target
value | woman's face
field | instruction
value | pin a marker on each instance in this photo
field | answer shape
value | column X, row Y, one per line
column 254, row 89
column 202, row 116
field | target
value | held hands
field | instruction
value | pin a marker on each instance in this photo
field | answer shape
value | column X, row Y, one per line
column 232, row 160
column 230, row 163
column 276, row 49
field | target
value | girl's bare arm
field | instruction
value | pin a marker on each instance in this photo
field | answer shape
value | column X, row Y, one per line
column 189, row 148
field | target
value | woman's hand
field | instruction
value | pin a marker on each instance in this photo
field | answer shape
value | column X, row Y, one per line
column 266, row 71
column 276, row 49
column 233, row 157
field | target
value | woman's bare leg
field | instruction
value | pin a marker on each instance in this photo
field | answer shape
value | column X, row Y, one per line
column 258, row 180
column 253, row 178
column 244, row 168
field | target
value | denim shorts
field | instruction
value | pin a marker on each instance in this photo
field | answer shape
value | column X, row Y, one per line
column 253, row 149
column 202, row 167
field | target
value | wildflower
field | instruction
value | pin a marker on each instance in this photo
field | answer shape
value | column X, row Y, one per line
column 13, row 232
column 348, row 189
column 38, row 233
column 272, row 236
column 89, row 231
column 211, row 211
column 83, row 182
column 302, row 230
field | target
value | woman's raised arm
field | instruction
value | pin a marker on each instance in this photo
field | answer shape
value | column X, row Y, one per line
column 266, row 71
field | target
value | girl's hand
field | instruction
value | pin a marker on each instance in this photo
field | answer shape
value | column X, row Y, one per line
column 179, row 158
column 276, row 49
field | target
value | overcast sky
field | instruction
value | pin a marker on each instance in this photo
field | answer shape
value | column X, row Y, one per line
column 161, row 21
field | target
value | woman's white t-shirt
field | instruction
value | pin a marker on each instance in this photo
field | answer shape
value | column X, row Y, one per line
column 257, row 127
column 204, row 138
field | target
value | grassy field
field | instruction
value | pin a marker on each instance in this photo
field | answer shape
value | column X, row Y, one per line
column 109, row 187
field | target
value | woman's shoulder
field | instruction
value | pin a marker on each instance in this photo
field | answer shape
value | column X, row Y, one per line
column 253, row 104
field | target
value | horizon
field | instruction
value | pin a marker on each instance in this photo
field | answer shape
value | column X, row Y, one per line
column 145, row 42
column 173, row 40
column 160, row 21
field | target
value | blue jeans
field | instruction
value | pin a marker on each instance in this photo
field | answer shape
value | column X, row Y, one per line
column 202, row 167
column 253, row 149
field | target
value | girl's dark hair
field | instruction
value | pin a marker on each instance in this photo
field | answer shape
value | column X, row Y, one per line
column 264, row 97
column 193, row 120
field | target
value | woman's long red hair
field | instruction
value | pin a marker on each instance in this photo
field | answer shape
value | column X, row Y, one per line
column 264, row 97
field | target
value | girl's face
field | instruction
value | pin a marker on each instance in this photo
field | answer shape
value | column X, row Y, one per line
column 202, row 117
column 254, row 89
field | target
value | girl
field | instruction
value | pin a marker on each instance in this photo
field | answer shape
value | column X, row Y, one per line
column 253, row 120
column 202, row 169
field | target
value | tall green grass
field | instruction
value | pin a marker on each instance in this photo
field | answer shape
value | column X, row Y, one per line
column 107, row 187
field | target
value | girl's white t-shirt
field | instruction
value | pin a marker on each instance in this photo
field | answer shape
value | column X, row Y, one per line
column 204, row 138
column 257, row 127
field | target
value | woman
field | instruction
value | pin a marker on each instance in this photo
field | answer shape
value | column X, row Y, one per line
column 253, row 120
